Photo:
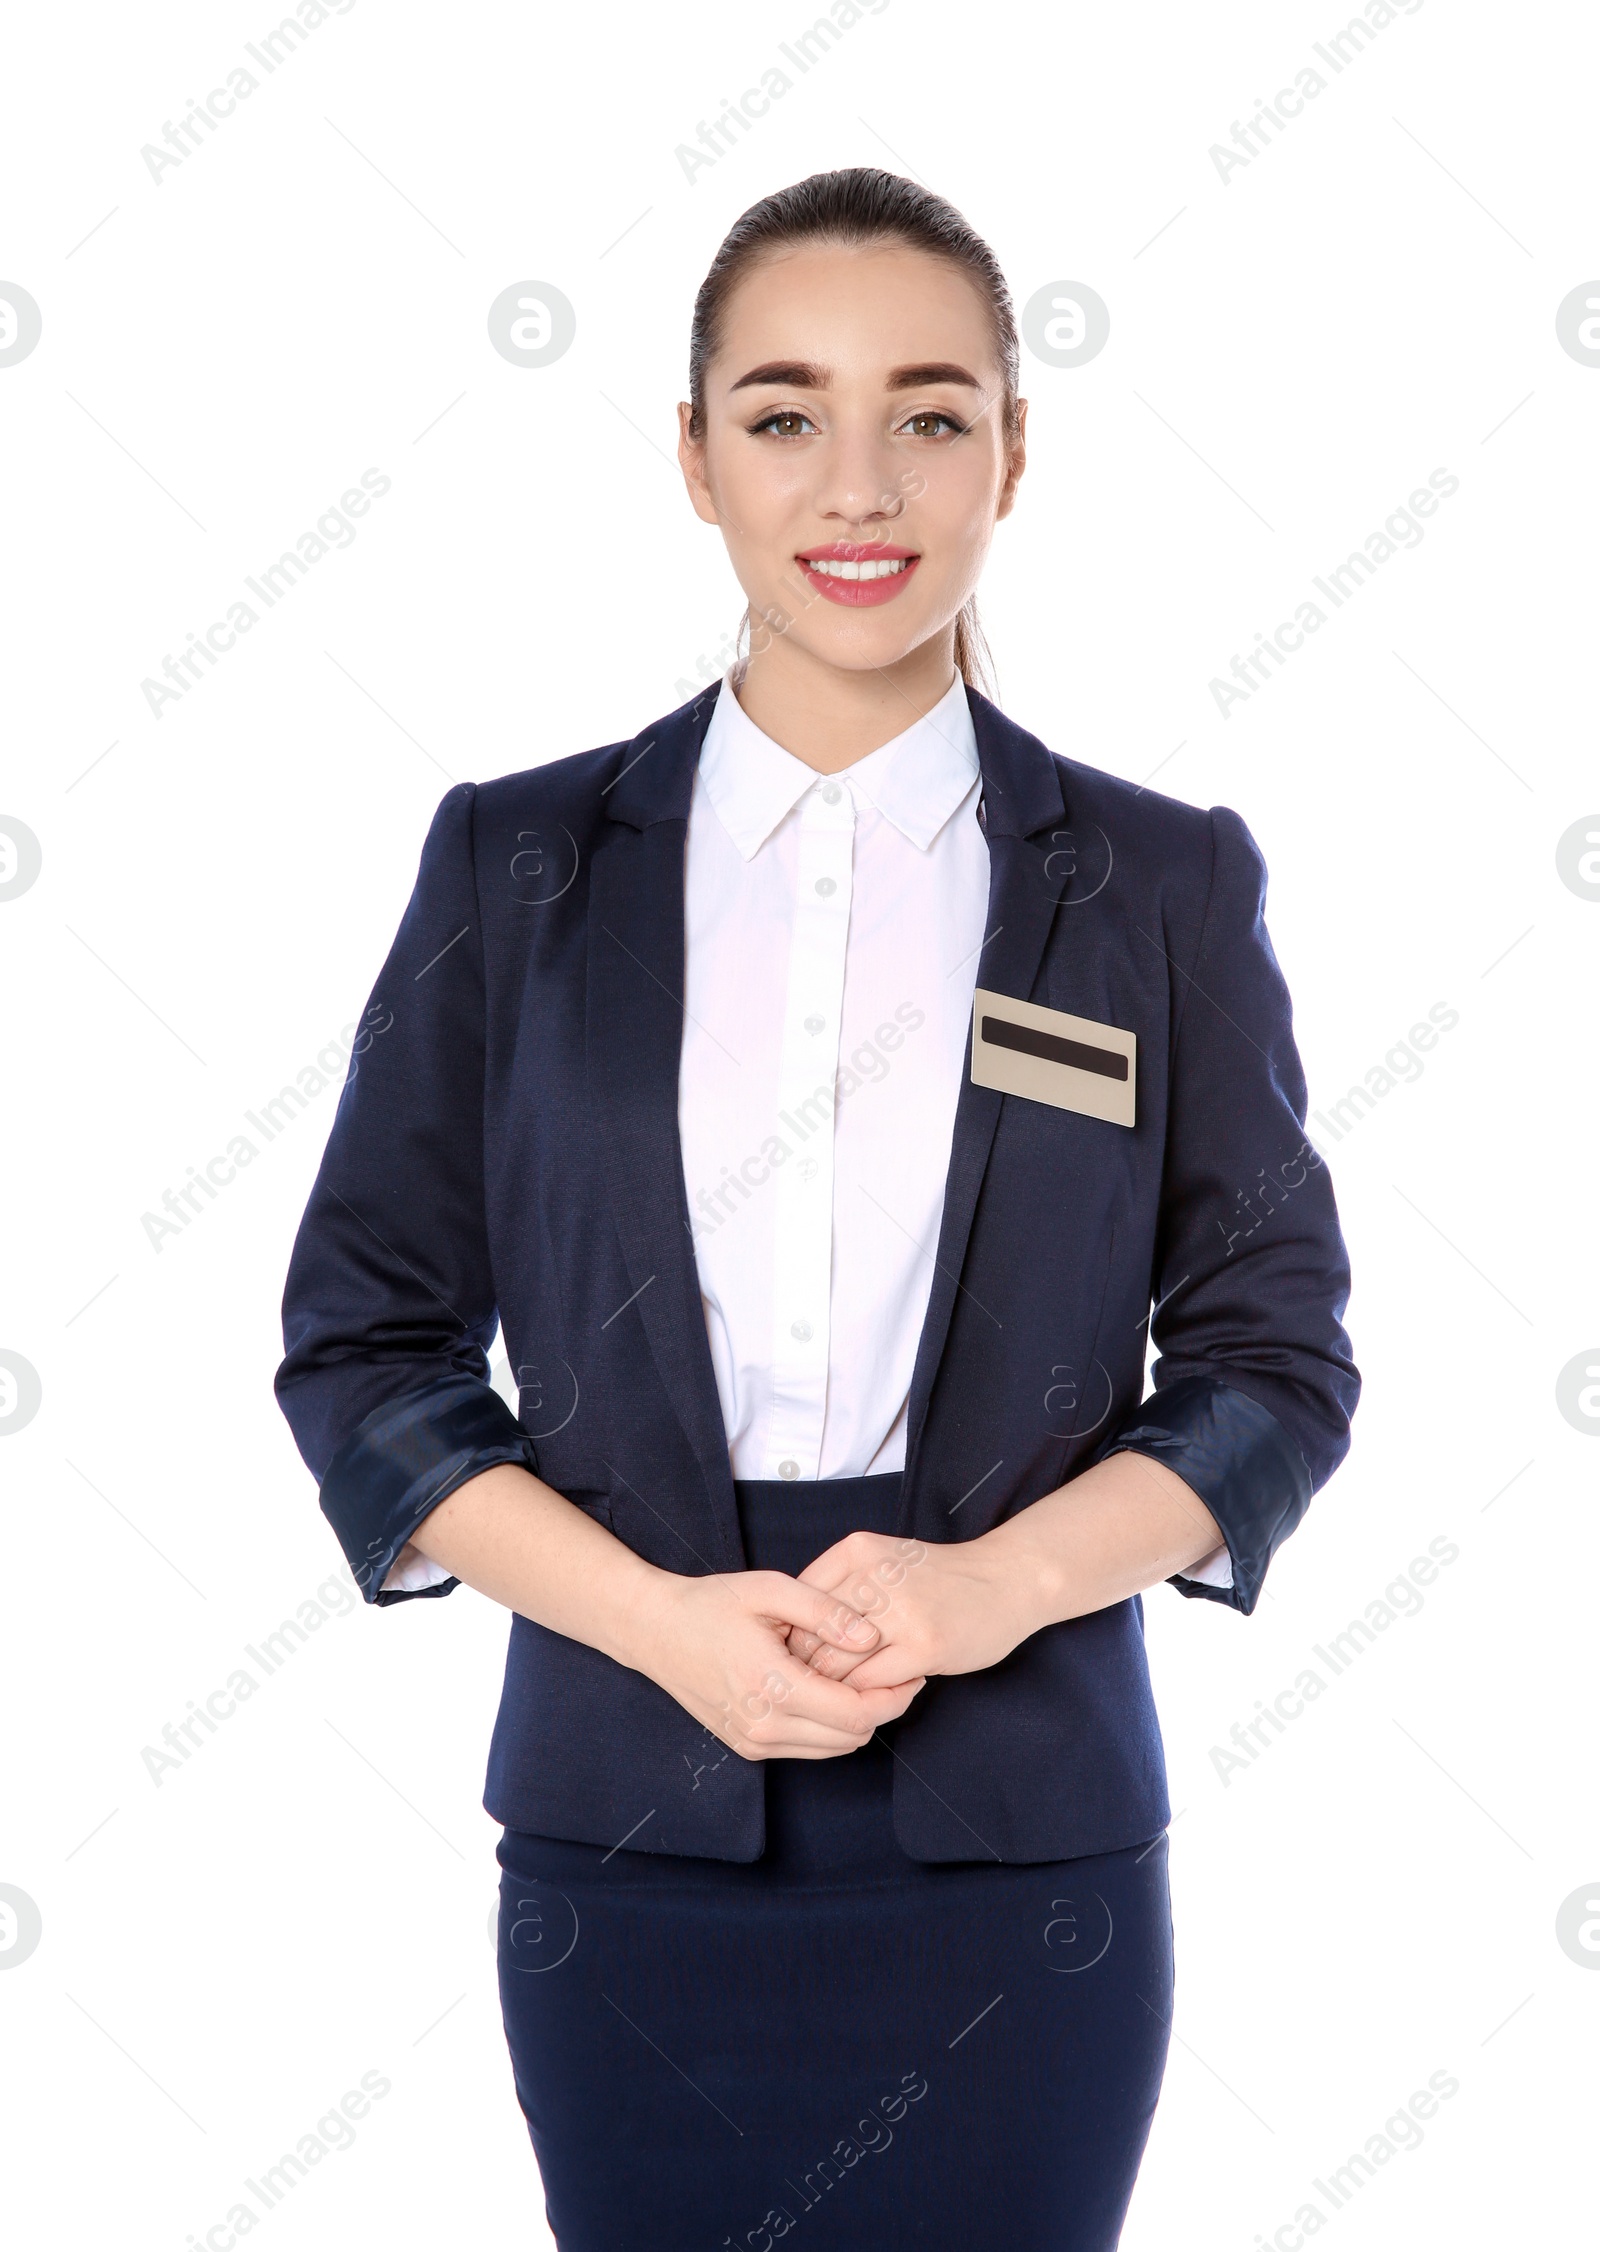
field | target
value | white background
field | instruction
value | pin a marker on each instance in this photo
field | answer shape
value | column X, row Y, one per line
column 1292, row 351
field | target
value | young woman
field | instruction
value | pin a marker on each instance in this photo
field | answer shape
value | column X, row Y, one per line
column 819, row 1089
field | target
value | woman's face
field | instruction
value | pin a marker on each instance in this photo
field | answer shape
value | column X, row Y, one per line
column 853, row 455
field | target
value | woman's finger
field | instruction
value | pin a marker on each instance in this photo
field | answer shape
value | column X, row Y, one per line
column 889, row 1668
column 793, row 1603
column 836, row 1704
column 832, row 1564
column 832, row 1664
column 784, row 1735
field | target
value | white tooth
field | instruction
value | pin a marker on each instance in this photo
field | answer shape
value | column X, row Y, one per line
column 832, row 569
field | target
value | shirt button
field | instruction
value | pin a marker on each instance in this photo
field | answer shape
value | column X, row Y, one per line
column 788, row 1470
column 831, row 793
column 824, row 887
column 800, row 1331
column 815, row 1024
column 808, row 1168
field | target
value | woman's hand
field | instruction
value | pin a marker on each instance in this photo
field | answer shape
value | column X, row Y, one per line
column 1122, row 1525
column 951, row 1607
column 717, row 1645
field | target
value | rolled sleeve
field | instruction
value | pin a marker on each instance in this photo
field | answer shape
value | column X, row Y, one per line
column 1244, row 1466
column 1254, row 1384
column 389, row 1305
column 401, row 1462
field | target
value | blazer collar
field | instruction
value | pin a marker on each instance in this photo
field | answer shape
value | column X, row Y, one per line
column 1021, row 782
column 655, row 779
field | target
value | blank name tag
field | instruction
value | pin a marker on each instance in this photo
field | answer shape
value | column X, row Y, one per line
column 1050, row 1057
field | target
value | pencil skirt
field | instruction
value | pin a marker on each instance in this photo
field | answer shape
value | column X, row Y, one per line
column 834, row 2041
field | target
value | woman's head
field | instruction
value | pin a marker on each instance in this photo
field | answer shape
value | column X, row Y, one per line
column 853, row 388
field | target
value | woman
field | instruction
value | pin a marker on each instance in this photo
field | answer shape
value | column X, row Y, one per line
column 818, row 1089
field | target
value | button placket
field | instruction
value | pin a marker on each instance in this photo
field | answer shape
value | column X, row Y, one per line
column 808, row 1073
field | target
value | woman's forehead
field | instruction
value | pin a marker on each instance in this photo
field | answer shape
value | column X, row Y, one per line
column 855, row 309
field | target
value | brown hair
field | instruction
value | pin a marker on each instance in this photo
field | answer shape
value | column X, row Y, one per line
column 860, row 205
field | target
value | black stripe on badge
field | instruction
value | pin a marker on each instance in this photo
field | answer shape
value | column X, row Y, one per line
column 1051, row 1048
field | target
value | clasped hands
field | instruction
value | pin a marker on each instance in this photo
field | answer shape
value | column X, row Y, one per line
column 938, row 1607
column 808, row 1668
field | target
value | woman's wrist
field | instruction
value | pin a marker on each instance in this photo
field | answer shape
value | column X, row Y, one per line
column 635, row 1600
column 522, row 1543
column 1122, row 1525
column 1031, row 1575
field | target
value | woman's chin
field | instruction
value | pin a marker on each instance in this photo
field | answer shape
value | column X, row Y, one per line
column 852, row 641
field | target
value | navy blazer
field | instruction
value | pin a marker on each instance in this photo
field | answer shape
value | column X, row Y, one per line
column 506, row 1148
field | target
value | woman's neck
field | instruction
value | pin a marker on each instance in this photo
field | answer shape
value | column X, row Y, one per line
column 828, row 717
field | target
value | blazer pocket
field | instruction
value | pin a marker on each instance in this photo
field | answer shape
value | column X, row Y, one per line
column 592, row 1500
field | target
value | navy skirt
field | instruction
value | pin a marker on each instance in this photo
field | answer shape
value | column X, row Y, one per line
column 835, row 2041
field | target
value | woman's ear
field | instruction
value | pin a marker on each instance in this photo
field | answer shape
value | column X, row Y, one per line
column 692, row 461
column 1016, row 462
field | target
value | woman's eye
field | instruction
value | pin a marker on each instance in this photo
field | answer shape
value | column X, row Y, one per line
column 917, row 424
column 783, row 423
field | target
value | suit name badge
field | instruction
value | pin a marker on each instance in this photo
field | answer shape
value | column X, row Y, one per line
column 1047, row 1056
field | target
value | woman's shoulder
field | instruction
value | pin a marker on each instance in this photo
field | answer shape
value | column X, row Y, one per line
column 1139, row 823
column 645, row 778
column 571, row 788
column 1155, row 837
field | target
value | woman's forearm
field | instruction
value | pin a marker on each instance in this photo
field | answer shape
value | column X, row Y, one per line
column 1122, row 1525
column 962, row 1606
column 715, row 1641
column 515, row 1539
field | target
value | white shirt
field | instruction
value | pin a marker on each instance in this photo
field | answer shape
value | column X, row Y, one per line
column 832, row 930
column 833, row 924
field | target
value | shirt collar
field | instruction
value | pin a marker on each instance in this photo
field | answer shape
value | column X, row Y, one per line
column 916, row 780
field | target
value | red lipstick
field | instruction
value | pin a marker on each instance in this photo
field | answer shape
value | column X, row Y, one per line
column 844, row 585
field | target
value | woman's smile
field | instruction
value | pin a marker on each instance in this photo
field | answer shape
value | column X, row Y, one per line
column 849, row 572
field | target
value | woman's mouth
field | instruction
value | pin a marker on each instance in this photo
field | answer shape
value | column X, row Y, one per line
column 859, row 577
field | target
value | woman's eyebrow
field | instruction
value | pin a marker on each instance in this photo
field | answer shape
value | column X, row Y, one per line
column 801, row 375
column 931, row 371
column 805, row 375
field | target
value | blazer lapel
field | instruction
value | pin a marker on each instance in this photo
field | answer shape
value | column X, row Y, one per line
column 635, row 1039
column 1036, row 868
